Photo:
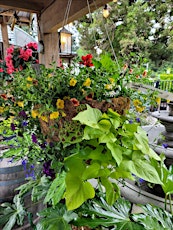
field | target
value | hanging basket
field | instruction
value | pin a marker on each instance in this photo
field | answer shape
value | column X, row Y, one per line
column 53, row 129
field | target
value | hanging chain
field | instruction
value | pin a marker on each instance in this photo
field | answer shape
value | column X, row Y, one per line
column 67, row 12
column 107, row 34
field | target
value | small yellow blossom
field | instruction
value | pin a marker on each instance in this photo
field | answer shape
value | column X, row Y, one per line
column 44, row 118
column 28, row 85
column 20, row 104
column 29, row 79
column 112, row 80
column 50, row 75
column 108, row 86
column 136, row 102
column 54, row 115
column 60, row 104
column 34, row 113
column 73, row 82
column 140, row 109
column 87, row 83
column 2, row 109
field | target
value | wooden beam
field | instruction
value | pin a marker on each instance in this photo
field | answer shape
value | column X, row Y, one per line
column 5, row 40
column 23, row 5
column 55, row 13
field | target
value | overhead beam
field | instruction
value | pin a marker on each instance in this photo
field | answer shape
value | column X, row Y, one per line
column 56, row 13
column 29, row 6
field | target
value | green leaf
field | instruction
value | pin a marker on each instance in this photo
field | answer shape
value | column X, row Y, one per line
column 112, row 190
column 141, row 168
column 56, row 190
column 89, row 117
column 91, row 171
column 115, row 151
column 77, row 191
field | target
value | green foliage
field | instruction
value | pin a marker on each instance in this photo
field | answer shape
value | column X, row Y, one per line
column 10, row 214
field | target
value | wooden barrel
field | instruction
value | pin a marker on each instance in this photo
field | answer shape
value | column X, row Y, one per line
column 12, row 175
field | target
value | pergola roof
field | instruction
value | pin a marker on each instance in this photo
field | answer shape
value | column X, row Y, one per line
column 51, row 12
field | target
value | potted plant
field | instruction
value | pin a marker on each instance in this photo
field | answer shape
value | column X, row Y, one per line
column 72, row 122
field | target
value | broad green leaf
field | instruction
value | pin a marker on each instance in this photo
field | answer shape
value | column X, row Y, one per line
column 141, row 168
column 91, row 171
column 107, row 137
column 92, row 133
column 105, row 125
column 115, row 151
column 89, row 117
column 77, row 191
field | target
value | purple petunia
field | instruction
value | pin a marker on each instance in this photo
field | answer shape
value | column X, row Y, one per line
column 22, row 114
column 138, row 120
column 34, row 138
column 13, row 127
column 165, row 145
column 24, row 123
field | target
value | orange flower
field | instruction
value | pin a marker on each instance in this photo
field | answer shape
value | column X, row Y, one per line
column 75, row 102
column 144, row 73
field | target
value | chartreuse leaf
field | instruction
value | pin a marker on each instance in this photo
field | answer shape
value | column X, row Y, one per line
column 104, row 124
column 56, row 190
column 115, row 151
column 89, row 117
column 91, row 171
column 141, row 168
column 112, row 190
column 92, row 133
column 77, row 191
column 141, row 143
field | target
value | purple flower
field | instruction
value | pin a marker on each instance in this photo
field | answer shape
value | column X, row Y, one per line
column 22, row 114
column 24, row 123
column 138, row 120
column 47, row 169
column 24, row 163
column 130, row 122
column 34, row 138
column 165, row 145
column 13, row 127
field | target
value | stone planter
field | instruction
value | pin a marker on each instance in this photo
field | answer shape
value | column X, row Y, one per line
column 138, row 196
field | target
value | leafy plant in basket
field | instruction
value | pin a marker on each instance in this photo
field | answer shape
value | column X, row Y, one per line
column 80, row 132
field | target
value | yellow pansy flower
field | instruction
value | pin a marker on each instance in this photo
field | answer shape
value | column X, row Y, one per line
column 44, row 118
column 34, row 113
column 73, row 82
column 54, row 115
column 29, row 79
column 60, row 104
column 20, row 104
column 87, row 83
column 28, row 85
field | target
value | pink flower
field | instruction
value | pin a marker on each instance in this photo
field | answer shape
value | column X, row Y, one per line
column 10, row 50
column 1, row 70
column 33, row 45
column 25, row 54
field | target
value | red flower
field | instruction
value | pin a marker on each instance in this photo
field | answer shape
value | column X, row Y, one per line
column 4, row 96
column 75, row 102
column 87, row 60
column 10, row 50
column 1, row 70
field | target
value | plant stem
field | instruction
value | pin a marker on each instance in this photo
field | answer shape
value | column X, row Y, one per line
column 170, row 203
column 165, row 201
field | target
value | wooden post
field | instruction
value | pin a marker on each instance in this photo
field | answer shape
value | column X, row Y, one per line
column 51, row 49
column 5, row 40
